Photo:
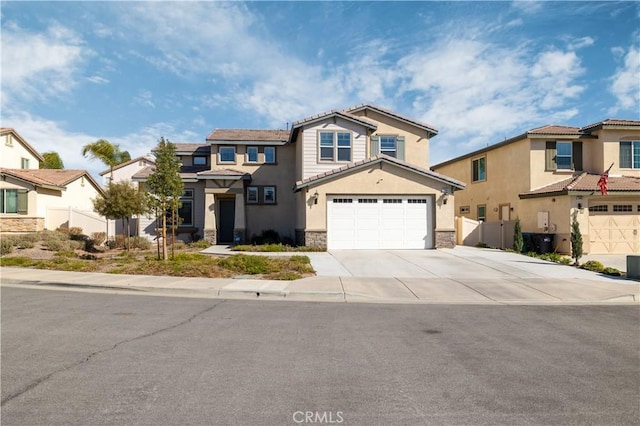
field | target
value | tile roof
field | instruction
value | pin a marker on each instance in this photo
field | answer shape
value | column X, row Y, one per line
column 393, row 114
column 611, row 122
column 58, row 178
column 249, row 135
column 586, row 182
column 195, row 172
column 126, row 163
column 5, row 130
column 553, row 129
column 361, row 120
column 369, row 161
column 190, row 148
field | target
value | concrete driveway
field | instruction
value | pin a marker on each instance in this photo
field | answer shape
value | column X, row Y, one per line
column 458, row 263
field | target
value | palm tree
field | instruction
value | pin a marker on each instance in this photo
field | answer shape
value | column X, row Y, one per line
column 110, row 154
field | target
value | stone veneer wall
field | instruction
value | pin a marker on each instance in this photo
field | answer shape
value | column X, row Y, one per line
column 210, row 236
column 445, row 239
column 21, row 224
column 311, row 238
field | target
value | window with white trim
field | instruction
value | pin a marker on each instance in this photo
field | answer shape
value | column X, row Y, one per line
column 227, row 154
column 630, row 154
column 334, row 146
column 269, row 154
column 388, row 146
column 252, row 154
column 252, row 194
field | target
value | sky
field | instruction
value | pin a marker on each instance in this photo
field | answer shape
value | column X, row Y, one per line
column 479, row 72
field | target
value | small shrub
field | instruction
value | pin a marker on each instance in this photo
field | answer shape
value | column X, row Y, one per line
column 482, row 245
column 75, row 230
column 611, row 271
column 98, row 238
column 6, row 246
column 25, row 244
column 200, row 244
column 54, row 245
column 301, row 259
column 593, row 265
column 140, row 243
column 267, row 236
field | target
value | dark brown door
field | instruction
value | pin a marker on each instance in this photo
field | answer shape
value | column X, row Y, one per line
column 227, row 220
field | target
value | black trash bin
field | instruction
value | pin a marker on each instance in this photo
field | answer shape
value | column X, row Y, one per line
column 543, row 243
column 527, row 239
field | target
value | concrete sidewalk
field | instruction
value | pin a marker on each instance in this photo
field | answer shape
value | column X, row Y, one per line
column 463, row 290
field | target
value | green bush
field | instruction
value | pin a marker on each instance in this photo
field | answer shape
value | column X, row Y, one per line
column 593, row 265
column 6, row 246
column 611, row 271
column 25, row 244
column 66, row 253
column 140, row 243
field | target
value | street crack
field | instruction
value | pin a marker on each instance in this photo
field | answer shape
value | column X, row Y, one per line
column 102, row 351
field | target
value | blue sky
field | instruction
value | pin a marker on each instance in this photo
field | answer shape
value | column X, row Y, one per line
column 480, row 72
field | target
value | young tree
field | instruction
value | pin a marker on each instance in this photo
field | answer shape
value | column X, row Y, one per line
column 518, row 242
column 576, row 239
column 165, row 186
column 108, row 153
column 51, row 161
column 122, row 200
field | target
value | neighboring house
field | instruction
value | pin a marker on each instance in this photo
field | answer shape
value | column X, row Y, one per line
column 547, row 175
column 343, row 179
column 125, row 170
column 33, row 199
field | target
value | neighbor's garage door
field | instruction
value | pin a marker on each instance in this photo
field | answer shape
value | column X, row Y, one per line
column 614, row 228
column 365, row 222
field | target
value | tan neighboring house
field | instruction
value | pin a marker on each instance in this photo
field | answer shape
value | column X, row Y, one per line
column 547, row 175
column 33, row 199
column 345, row 179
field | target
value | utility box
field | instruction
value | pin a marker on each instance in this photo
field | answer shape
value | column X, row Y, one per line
column 543, row 220
column 633, row 267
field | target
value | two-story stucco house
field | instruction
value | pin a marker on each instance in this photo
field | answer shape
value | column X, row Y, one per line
column 343, row 179
column 550, row 174
column 29, row 195
column 124, row 171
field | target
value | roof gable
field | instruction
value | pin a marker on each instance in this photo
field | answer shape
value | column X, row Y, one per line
column 148, row 161
column 336, row 173
column 28, row 147
column 362, row 107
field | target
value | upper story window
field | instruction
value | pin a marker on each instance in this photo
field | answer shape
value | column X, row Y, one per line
column 565, row 156
column 335, row 146
column 24, row 163
column 479, row 169
column 227, row 154
column 388, row 146
column 252, row 154
column 269, row 154
column 630, row 155
column 200, row 161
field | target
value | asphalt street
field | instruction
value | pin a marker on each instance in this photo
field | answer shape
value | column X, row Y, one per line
column 88, row 358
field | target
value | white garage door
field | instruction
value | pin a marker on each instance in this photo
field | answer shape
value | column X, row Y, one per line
column 614, row 228
column 366, row 222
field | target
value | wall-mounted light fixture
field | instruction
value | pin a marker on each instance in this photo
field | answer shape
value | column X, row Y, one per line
column 445, row 195
column 315, row 197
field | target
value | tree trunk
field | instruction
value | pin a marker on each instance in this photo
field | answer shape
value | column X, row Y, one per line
column 128, row 233
column 164, row 237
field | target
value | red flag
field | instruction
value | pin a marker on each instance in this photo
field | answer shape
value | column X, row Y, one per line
column 604, row 179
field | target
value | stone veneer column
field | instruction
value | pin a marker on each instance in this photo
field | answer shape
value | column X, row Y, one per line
column 210, row 228
column 445, row 238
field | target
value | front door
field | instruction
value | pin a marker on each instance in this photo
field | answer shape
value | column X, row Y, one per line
column 227, row 220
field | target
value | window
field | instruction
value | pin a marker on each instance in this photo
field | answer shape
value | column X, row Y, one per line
column 343, row 200
column 622, row 208
column 602, row 208
column 335, row 146
column 417, row 201
column 479, row 169
column 252, row 154
column 630, row 155
column 25, row 163
column 465, row 210
column 563, row 155
column 269, row 194
column 482, row 213
column 185, row 211
column 392, row 201
column 388, row 146
column 252, row 194
column 13, row 201
column 367, row 200
column 200, row 161
column 270, row 154
column 227, row 154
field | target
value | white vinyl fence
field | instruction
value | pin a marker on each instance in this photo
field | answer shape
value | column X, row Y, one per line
column 495, row 234
column 69, row 217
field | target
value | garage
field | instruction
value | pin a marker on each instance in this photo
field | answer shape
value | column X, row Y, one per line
column 614, row 228
column 379, row 222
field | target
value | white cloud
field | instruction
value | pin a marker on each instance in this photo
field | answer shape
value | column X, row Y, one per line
column 37, row 66
column 97, row 79
column 144, row 98
column 581, row 42
column 625, row 83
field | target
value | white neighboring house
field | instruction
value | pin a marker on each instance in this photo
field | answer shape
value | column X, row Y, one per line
column 33, row 199
column 124, row 172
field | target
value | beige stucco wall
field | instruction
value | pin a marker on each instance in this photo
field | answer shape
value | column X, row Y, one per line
column 78, row 195
column 610, row 140
column 376, row 180
column 125, row 173
column 416, row 140
column 32, row 209
column 12, row 151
